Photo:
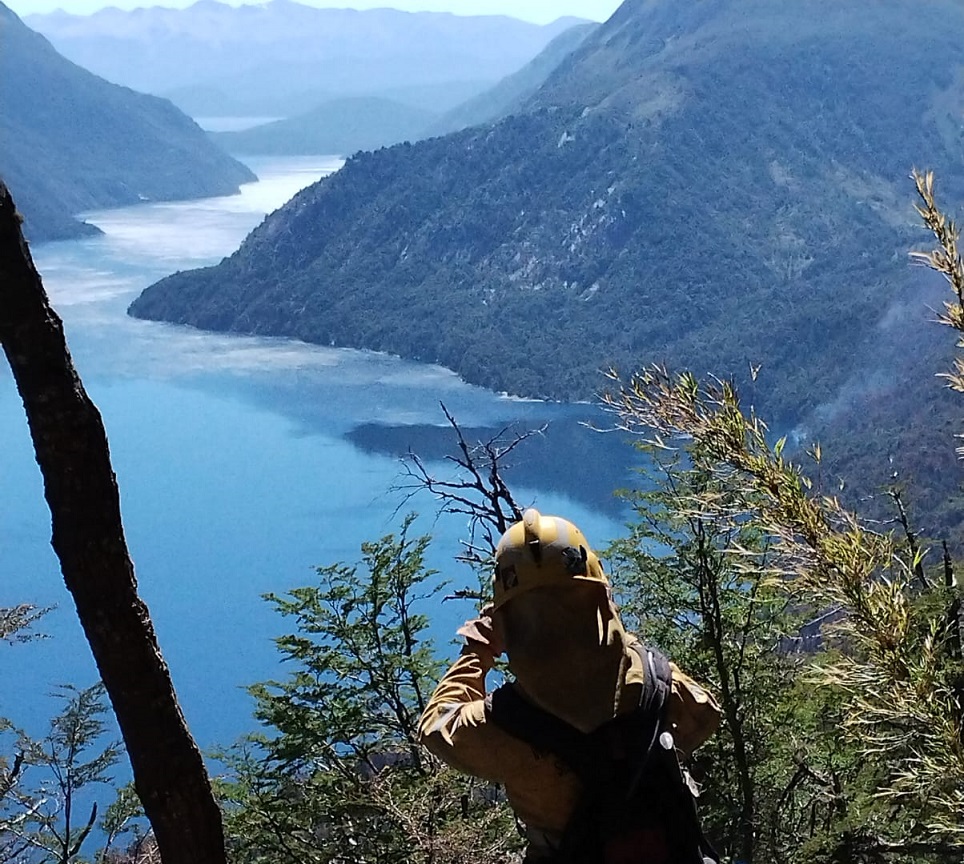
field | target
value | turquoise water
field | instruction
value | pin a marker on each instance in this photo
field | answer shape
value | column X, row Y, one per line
column 242, row 462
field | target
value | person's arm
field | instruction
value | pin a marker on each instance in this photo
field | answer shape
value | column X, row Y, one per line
column 693, row 714
column 453, row 725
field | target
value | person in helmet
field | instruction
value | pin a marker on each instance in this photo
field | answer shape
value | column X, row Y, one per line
column 585, row 709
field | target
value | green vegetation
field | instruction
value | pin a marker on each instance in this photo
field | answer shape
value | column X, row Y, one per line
column 45, row 811
column 676, row 576
column 834, row 644
column 74, row 142
column 861, row 757
column 338, row 772
column 877, row 736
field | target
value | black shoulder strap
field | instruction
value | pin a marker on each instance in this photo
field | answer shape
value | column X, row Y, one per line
column 653, row 702
column 658, row 683
column 590, row 757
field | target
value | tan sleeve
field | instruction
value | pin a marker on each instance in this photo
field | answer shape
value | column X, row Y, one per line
column 453, row 725
column 693, row 713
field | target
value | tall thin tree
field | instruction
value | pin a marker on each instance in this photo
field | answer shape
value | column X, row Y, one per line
column 88, row 537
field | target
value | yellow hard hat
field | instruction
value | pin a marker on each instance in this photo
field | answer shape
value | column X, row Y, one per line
column 542, row 551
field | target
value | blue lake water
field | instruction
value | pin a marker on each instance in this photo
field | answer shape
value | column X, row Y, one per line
column 242, row 462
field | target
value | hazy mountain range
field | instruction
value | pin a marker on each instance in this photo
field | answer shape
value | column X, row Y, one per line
column 711, row 185
column 78, row 143
column 344, row 126
column 280, row 58
column 74, row 142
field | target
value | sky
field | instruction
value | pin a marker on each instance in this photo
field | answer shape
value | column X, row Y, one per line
column 540, row 11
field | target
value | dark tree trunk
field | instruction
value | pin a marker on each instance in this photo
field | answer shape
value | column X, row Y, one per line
column 88, row 537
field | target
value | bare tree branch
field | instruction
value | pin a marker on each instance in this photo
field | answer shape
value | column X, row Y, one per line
column 917, row 556
column 478, row 489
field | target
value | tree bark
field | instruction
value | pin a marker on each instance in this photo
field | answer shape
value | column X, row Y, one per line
column 88, row 537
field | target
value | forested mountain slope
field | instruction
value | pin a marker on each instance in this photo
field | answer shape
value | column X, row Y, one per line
column 711, row 185
column 74, row 142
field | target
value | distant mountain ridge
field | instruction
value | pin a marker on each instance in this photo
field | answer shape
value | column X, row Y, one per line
column 514, row 89
column 279, row 58
column 74, row 142
column 345, row 126
column 339, row 127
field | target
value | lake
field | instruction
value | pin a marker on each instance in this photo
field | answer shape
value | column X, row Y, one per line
column 244, row 462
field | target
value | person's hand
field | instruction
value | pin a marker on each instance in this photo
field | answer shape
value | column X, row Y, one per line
column 482, row 632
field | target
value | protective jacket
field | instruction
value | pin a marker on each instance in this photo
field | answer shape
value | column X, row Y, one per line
column 542, row 791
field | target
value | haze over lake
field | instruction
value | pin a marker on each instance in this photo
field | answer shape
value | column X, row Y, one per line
column 243, row 462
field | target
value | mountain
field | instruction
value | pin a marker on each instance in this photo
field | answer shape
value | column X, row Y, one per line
column 511, row 91
column 205, row 102
column 279, row 58
column 711, row 185
column 340, row 127
column 74, row 142
column 344, row 126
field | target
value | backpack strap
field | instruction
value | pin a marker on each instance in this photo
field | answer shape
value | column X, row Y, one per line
column 658, row 683
column 653, row 701
column 600, row 759
column 662, row 759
